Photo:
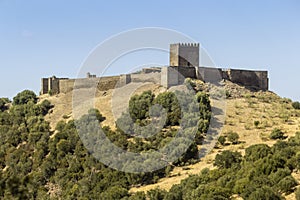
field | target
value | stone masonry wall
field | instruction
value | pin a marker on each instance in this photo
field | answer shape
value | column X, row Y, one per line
column 252, row 79
column 103, row 83
column 169, row 76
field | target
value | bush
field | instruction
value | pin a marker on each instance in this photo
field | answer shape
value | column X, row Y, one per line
column 277, row 134
column 279, row 175
column 169, row 101
column 287, row 184
column 156, row 194
column 114, row 192
column 233, row 137
column 97, row 114
column 296, row 105
column 139, row 105
column 227, row 158
column 222, row 140
column 138, row 196
column 263, row 193
column 256, row 123
column 25, row 97
column 256, row 152
column 45, row 106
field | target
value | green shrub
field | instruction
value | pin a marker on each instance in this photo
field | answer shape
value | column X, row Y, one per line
column 97, row 114
column 277, row 134
column 25, row 97
column 138, row 196
column 65, row 117
column 287, row 184
column 233, row 137
column 256, row 152
column 264, row 193
column 296, row 105
column 227, row 158
column 222, row 140
column 139, row 105
column 45, row 106
column 169, row 101
column 156, row 194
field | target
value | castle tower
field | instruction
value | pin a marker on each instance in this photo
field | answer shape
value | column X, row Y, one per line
column 184, row 54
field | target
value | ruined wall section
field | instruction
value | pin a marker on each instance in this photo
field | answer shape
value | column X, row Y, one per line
column 251, row 79
column 149, row 77
column 66, row 85
column 107, row 83
column 103, row 83
column 210, row 74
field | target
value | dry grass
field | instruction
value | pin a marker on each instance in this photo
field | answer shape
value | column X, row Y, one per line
column 103, row 101
column 242, row 111
column 240, row 116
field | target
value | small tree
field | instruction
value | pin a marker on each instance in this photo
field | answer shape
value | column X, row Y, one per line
column 25, row 97
column 233, row 137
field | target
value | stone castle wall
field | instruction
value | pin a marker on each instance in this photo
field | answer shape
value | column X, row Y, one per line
column 103, row 83
column 168, row 77
column 252, row 79
column 63, row 85
column 184, row 63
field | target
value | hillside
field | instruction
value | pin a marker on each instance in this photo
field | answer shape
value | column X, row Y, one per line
column 51, row 161
column 244, row 109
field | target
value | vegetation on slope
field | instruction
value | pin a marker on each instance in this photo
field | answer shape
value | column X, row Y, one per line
column 37, row 163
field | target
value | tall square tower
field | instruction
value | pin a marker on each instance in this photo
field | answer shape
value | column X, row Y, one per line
column 184, row 54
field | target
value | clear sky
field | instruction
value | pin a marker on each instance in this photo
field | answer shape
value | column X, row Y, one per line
column 45, row 38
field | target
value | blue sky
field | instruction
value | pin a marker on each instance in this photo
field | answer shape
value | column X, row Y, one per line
column 45, row 38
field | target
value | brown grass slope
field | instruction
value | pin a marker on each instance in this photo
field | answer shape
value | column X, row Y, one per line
column 243, row 109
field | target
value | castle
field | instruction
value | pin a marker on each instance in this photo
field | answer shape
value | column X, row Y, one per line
column 184, row 63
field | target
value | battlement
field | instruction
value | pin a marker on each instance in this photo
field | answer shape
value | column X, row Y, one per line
column 185, row 45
